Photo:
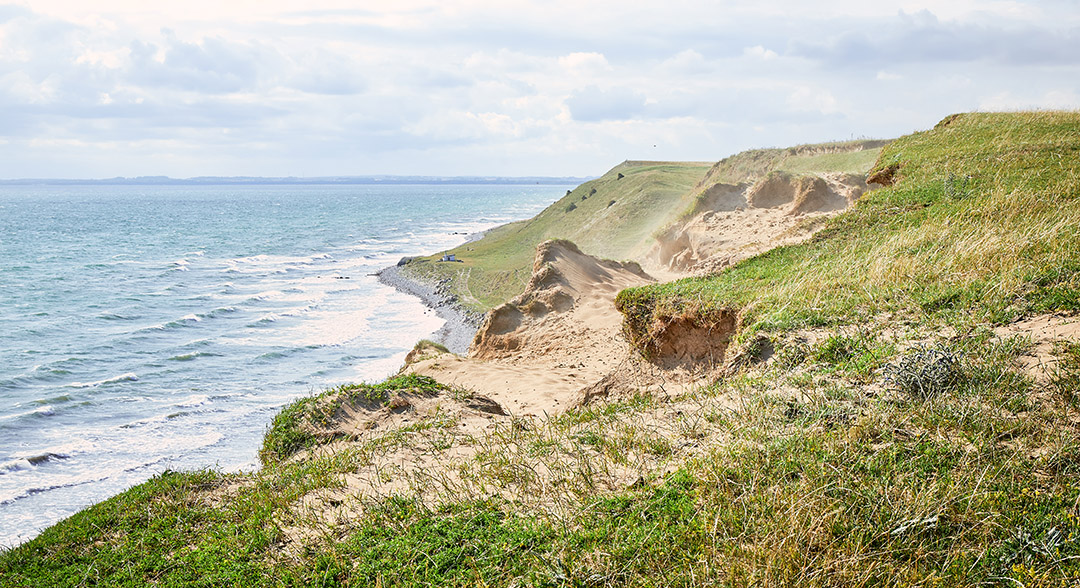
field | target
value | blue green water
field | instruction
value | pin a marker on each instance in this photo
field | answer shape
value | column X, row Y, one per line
column 146, row 328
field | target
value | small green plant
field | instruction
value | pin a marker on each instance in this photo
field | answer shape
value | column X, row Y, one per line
column 956, row 186
column 925, row 372
column 429, row 343
column 570, row 207
column 791, row 354
column 590, row 438
column 295, row 427
column 838, row 349
column 1065, row 376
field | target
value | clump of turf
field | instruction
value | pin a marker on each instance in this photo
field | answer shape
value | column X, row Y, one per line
column 296, row 427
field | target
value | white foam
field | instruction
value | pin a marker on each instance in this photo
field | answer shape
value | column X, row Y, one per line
column 128, row 377
column 14, row 466
column 193, row 401
column 266, row 319
column 266, row 295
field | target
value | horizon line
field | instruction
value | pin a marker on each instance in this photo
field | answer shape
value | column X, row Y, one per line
column 299, row 180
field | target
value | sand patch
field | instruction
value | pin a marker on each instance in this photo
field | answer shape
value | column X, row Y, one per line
column 1044, row 331
column 733, row 222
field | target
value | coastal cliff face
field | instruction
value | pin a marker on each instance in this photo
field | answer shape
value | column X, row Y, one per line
column 889, row 398
column 615, row 216
column 567, row 288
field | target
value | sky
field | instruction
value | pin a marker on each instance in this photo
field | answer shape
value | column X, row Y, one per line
column 474, row 87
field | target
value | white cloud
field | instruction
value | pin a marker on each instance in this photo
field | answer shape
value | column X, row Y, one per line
column 593, row 104
column 122, row 87
column 1053, row 99
column 813, row 99
column 687, row 61
column 465, row 126
column 759, row 52
column 585, row 63
column 112, row 59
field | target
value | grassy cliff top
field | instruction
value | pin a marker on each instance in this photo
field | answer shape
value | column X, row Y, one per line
column 979, row 217
column 839, row 156
column 613, row 216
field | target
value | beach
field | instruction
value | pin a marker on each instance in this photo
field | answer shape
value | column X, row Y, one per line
column 461, row 324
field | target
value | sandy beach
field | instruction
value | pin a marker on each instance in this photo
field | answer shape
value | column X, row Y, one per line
column 461, row 324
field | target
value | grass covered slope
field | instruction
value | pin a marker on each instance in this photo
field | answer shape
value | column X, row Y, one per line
column 619, row 215
column 614, row 216
column 836, row 157
column 980, row 217
column 790, row 473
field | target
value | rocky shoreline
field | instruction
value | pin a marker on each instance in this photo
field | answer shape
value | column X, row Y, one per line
column 461, row 323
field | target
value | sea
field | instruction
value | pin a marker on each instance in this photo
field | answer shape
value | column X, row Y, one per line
column 146, row 328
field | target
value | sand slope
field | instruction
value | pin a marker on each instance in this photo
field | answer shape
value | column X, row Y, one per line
column 560, row 342
column 731, row 222
column 541, row 351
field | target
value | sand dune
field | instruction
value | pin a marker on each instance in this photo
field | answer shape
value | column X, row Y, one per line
column 542, row 350
column 732, row 222
column 560, row 342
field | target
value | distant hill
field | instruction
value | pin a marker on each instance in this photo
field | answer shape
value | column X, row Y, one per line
column 614, row 216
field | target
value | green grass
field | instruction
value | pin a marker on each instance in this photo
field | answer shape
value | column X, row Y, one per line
column 298, row 425
column 856, row 157
column 843, row 162
column 982, row 219
column 803, row 469
column 618, row 218
column 837, row 486
column 1065, row 375
column 497, row 267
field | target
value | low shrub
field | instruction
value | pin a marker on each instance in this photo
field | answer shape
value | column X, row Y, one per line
column 925, row 372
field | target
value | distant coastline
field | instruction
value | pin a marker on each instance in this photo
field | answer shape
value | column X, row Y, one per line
column 297, row 181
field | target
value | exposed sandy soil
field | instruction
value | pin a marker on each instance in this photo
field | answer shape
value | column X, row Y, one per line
column 560, row 342
column 557, row 345
column 733, row 222
column 539, row 352
column 1043, row 331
